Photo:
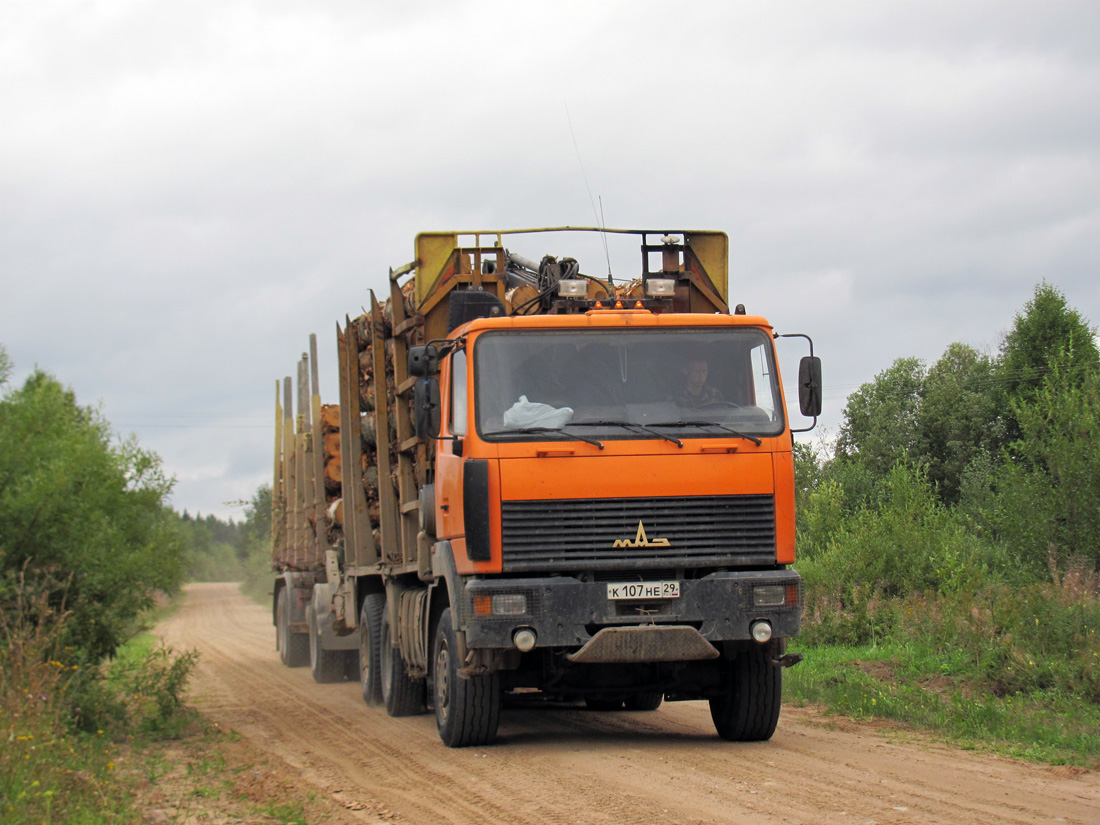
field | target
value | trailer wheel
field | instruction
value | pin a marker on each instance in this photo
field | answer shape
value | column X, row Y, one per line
column 327, row 666
column 749, row 709
column 644, row 701
column 467, row 710
column 370, row 640
column 293, row 647
column 403, row 695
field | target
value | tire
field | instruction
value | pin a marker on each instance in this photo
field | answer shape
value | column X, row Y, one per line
column 749, row 709
column 644, row 701
column 293, row 647
column 370, row 636
column 403, row 695
column 327, row 666
column 467, row 710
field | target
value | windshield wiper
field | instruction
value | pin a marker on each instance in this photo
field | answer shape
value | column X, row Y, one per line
column 555, row 430
column 626, row 425
column 729, row 430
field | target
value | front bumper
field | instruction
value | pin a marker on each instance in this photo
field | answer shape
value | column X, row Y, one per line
column 566, row 613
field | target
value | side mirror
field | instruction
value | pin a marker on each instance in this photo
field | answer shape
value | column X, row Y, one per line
column 426, row 408
column 809, row 386
column 423, row 360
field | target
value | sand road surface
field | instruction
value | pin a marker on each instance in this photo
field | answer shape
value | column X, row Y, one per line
column 572, row 765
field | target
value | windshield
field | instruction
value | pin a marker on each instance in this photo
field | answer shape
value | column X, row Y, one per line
column 614, row 384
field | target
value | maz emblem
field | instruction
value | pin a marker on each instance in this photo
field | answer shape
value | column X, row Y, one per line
column 640, row 540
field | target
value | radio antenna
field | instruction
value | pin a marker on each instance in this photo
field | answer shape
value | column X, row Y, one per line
column 598, row 214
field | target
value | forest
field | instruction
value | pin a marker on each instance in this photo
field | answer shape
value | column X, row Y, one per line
column 949, row 541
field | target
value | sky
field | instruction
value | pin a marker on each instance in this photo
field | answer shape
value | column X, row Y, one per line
column 188, row 189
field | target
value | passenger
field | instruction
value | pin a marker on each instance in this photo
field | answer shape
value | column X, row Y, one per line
column 694, row 390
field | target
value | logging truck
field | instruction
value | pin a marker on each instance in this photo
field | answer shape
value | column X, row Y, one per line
column 543, row 486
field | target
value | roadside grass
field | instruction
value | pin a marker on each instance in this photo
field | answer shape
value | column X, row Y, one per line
column 121, row 748
column 209, row 774
column 49, row 771
column 930, row 689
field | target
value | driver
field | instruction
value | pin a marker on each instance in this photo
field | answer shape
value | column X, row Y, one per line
column 694, row 391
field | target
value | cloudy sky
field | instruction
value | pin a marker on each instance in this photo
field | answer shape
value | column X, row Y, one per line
column 188, row 189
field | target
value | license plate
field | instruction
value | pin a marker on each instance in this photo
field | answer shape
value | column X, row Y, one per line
column 618, row 591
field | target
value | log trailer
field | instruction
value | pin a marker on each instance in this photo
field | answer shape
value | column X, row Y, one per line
column 543, row 484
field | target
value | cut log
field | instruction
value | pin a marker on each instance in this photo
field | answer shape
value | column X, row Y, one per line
column 520, row 299
column 332, row 472
column 330, row 417
column 366, row 363
column 366, row 394
column 332, row 444
column 368, row 429
column 596, row 291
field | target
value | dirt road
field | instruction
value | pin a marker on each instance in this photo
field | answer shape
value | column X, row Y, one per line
column 577, row 766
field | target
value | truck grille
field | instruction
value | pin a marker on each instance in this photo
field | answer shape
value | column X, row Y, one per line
column 580, row 534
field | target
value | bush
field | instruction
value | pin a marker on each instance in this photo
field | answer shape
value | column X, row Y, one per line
column 910, row 544
column 139, row 692
column 73, row 501
column 49, row 771
column 1042, row 637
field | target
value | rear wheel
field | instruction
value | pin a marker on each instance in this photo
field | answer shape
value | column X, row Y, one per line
column 748, row 711
column 403, row 695
column 467, row 710
column 370, row 637
column 293, row 647
column 644, row 701
column 326, row 665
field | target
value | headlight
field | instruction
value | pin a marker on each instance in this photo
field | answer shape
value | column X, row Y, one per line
column 775, row 595
column 509, row 604
column 769, row 595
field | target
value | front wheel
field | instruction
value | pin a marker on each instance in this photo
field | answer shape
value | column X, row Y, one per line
column 467, row 709
column 748, row 710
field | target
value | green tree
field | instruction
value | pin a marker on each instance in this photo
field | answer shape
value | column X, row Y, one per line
column 212, row 549
column 1046, row 330
column 958, row 417
column 257, row 523
column 880, row 428
column 78, row 508
column 1048, row 507
column 257, row 532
